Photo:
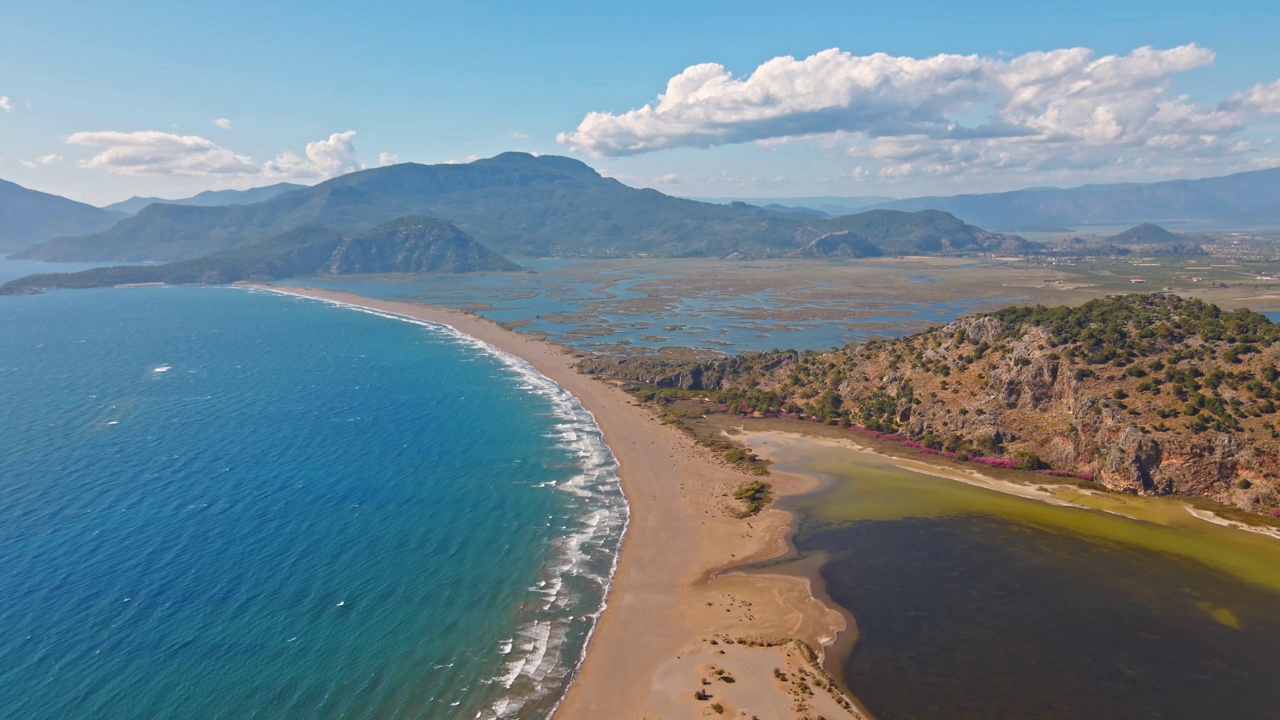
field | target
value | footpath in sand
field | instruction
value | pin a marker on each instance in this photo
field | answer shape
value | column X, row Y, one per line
column 669, row 644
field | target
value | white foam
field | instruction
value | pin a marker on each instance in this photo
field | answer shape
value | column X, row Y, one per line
column 588, row 552
column 162, row 369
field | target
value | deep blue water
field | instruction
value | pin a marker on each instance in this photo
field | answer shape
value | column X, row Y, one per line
column 224, row 504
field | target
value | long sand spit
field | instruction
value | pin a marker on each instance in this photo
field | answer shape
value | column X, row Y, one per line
column 675, row 598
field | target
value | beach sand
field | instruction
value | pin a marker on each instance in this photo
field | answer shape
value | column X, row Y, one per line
column 677, row 609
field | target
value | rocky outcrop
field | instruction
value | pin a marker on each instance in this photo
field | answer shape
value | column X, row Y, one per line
column 1173, row 397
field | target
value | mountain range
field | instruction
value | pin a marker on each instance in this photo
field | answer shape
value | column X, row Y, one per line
column 208, row 198
column 1241, row 200
column 528, row 206
column 517, row 204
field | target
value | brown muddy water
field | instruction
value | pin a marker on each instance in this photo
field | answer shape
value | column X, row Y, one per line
column 976, row 604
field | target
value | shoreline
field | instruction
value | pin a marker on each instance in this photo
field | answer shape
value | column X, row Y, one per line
column 678, row 614
column 1040, row 488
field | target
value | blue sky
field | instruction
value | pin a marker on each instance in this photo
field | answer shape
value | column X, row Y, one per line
column 108, row 102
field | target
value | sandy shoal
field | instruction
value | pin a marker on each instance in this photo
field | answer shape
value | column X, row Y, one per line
column 674, row 591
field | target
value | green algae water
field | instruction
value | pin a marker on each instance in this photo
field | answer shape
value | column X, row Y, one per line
column 976, row 604
column 223, row 504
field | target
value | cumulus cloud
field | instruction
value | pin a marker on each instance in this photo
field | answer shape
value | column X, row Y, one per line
column 386, row 158
column 223, row 123
column 324, row 159
column 151, row 152
column 1260, row 99
column 944, row 114
column 6, row 104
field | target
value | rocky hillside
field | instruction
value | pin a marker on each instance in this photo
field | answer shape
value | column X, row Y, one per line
column 1151, row 394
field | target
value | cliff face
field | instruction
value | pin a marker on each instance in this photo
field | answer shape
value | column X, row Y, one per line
column 1149, row 394
column 1030, row 400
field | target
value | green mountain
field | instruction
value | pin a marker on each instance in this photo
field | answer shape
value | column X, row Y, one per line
column 28, row 216
column 406, row 245
column 844, row 243
column 924, row 232
column 515, row 203
column 208, row 198
column 1145, row 234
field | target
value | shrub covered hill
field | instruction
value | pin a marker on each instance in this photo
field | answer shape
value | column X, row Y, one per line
column 1153, row 394
column 405, row 245
column 520, row 205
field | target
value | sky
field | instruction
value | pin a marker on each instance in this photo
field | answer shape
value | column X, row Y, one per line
column 103, row 101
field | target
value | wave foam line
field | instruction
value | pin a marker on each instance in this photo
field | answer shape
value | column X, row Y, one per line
column 605, row 519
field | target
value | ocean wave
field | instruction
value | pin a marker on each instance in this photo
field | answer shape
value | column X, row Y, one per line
column 539, row 661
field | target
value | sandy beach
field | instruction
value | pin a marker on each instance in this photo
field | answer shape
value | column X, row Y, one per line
column 679, row 620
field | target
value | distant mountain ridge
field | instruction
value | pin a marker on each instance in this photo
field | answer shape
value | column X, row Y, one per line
column 208, row 198
column 1242, row 199
column 829, row 205
column 30, row 216
column 405, row 245
column 517, row 204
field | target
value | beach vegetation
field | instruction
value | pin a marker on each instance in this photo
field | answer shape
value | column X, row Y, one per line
column 754, row 496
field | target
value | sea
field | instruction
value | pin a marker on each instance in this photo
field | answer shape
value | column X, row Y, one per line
column 221, row 503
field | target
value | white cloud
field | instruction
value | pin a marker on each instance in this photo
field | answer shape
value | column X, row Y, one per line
column 947, row 114
column 1261, row 99
column 42, row 160
column 462, row 160
column 386, row 158
column 324, row 159
column 223, row 123
column 518, row 135
column 151, row 152
column 5, row 104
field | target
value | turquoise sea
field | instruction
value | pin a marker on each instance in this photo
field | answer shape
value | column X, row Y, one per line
column 217, row 503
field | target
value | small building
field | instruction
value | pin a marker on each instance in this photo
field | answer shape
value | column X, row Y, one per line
column 1136, row 281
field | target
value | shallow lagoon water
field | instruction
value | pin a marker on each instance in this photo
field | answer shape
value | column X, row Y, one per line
column 976, row 604
column 610, row 310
